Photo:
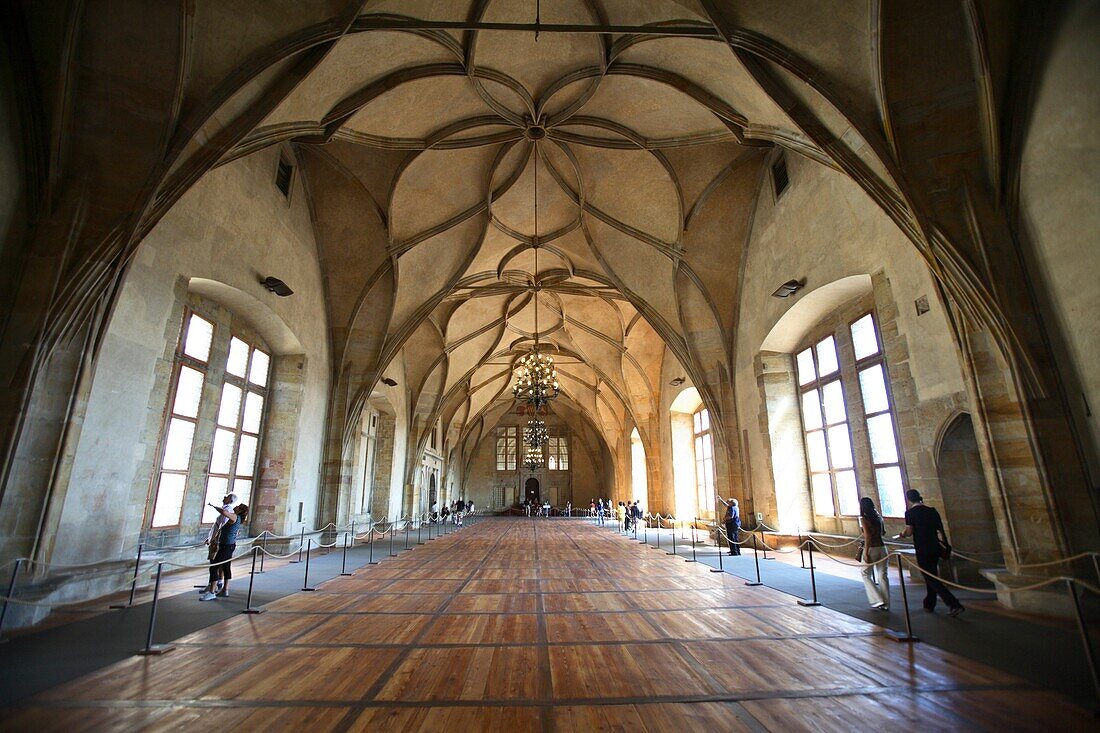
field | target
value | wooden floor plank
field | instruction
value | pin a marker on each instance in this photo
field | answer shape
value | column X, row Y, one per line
column 517, row 625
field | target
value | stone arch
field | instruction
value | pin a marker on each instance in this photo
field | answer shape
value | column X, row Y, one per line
column 967, row 507
column 267, row 322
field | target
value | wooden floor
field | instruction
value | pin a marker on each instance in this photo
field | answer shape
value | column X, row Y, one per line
column 515, row 624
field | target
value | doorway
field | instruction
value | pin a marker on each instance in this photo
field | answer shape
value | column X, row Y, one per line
column 965, row 495
column 531, row 490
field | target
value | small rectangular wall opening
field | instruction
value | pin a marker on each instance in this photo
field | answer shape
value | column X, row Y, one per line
column 780, row 178
column 284, row 175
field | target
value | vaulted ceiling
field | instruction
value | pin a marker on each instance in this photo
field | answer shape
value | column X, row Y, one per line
column 422, row 128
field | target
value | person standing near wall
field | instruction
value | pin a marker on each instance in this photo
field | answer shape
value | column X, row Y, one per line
column 732, row 520
column 227, row 545
column 876, row 580
column 924, row 524
column 212, row 537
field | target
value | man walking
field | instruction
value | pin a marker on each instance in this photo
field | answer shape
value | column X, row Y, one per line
column 924, row 524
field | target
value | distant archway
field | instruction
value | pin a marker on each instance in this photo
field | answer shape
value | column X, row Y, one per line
column 966, row 502
column 531, row 490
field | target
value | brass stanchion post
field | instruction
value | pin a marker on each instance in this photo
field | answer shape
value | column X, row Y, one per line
column 813, row 580
column 305, row 580
column 251, row 579
column 907, row 637
column 152, row 649
column 133, row 584
column 755, row 560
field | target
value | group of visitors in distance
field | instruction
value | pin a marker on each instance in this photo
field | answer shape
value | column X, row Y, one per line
column 455, row 511
column 923, row 523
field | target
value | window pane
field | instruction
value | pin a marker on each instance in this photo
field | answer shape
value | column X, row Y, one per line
column 553, row 462
column 704, row 420
column 166, row 509
column 811, row 410
column 216, row 489
column 847, row 493
column 243, row 489
column 230, row 408
column 840, row 446
column 864, row 340
column 806, row 373
column 246, row 456
column 833, row 396
column 188, row 392
column 221, row 456
column 826, row 357
column 872, row 383
column 257, row 373
column 200, row 332
column 238, row 357
column 696, row 422
column 891, row 491
column 253, row 410
column 708, row 451
column 177, row 446
column 880, row 429
column 815, row 447
column 823, row 494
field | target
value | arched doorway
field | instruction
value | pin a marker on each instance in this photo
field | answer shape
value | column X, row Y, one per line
column 432, row 489
column 531, row 490
column 965, row 496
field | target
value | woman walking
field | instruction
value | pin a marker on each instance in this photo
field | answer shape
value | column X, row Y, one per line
column 876, row 579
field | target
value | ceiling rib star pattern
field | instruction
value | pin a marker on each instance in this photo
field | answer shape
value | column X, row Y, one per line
column 424, row 194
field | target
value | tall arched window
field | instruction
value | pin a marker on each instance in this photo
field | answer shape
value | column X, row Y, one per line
column 828, row 379
column 209, row 351
column 704, row 460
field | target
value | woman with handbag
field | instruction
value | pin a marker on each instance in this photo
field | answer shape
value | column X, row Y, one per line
column 930, row 543
column 872, row 553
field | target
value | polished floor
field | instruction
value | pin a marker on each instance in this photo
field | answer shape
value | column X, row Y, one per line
column 514, row 624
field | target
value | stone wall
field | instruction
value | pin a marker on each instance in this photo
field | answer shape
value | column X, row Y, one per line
column 227, row 232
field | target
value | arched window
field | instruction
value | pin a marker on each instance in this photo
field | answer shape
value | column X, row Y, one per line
column 209, row 351
column 704, row 460
column 828, row 379
column 692, row 455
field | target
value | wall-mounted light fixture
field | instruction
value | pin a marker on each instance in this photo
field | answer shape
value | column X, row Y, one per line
column 789, row 288
column 389, row 382
column 678, row 381
column 277, row 286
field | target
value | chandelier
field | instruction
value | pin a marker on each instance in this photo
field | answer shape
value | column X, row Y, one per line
column 536, row 379
column 532, row 457
column 534, row 433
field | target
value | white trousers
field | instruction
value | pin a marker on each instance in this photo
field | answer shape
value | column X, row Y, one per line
column 876, row 579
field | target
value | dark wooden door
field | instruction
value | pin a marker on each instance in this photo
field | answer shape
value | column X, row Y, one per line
column 531, row 490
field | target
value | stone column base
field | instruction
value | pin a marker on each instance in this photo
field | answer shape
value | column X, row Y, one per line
column 1050, row 600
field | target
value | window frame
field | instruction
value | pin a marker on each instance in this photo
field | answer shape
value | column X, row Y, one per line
column 246, row 385
column 818, row 384
column 705, row 492
column 859, row 365
column 504, row 434
column 180, row 359
column 557, row 450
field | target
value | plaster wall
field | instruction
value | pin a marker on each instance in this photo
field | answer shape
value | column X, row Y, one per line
column 1059, row 180
column 823, row 228
column 232, row 227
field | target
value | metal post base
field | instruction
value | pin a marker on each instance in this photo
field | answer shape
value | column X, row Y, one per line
column 307, row 590
column 254, row 610
column 156, row 650
column 753, row 582
column 901, row 637
column 348, row 574
column 808, row 603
